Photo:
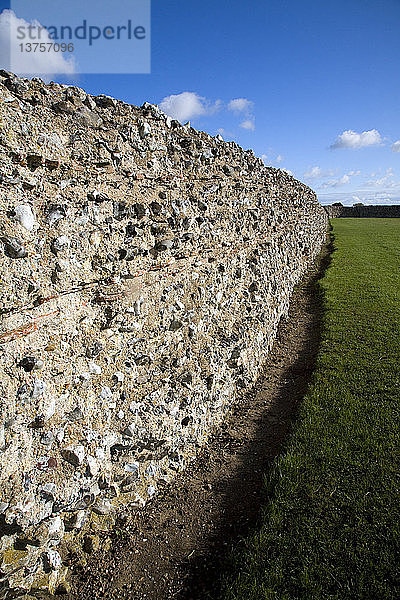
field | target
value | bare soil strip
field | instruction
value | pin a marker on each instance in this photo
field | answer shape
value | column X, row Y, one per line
column 174, row 548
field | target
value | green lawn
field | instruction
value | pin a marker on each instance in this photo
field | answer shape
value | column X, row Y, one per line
column 331, row 527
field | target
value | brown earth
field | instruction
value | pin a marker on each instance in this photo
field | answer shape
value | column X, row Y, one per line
column 174, row 548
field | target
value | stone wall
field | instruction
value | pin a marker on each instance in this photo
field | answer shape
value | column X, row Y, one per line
column 377, row 211
column 144, row 269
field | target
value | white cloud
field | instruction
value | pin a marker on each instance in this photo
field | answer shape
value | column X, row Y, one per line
column 248, row 124
column 244, row 107
column 318, row 173
column 337, row 182
column 396, row 146
column 29, row 63
column 268, row 158
column 386, row 181
column 240, row 105
column 343, row 180
column 314, row 173
column 352, row 139
column 188, row 105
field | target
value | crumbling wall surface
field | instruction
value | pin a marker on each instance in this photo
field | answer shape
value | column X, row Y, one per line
column 144, row 269
column 364, row 211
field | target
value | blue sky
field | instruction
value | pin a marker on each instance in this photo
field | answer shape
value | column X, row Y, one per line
column 315, row 84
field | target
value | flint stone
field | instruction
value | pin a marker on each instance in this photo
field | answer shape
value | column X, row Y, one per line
column 52, row 560
column 164, row 245
column 64, row 107
column 13, row 247
column 25, row 217
column 55, row 213
column 74, row 455
column 103, row 507
column 105, row 101
column 28, row 363
column 60, row 244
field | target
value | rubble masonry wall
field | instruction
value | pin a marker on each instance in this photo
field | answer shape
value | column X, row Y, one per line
column 145, row 267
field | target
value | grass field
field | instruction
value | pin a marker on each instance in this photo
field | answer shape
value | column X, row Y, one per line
column 331, row 526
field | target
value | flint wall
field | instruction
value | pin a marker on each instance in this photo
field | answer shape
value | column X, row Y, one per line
column 144, row 269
